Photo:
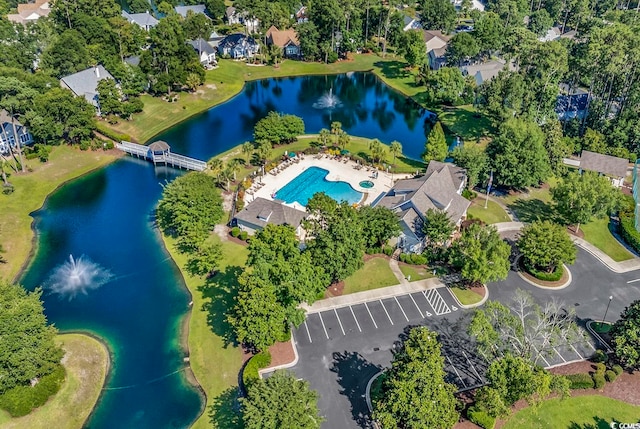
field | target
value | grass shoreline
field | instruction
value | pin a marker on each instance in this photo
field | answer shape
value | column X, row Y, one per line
column 82, row 349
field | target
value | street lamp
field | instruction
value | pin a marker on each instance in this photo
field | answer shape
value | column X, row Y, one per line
column 605, row 312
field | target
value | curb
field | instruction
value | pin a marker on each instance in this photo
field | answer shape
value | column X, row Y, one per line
column 367, row 392
column 531, row 282
column 595, row 334
column 477, row 304
column 294, row 362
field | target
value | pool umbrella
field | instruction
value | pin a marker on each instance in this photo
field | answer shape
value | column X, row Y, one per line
column 344, row 152
column 292, row 154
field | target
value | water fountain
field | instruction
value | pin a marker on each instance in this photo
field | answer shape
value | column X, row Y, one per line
column 327, row 101
column 77, row 276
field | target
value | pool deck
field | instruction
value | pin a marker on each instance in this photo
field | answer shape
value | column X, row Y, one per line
column 338, row 171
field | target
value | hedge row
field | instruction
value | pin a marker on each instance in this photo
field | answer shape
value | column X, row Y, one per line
column 541, row 275
column 387, row 250
column 628, row 230
column 413, row 259
column 108, row 132
column 580, row 381
column 20, row 400
column 481, row 418
column 256, row 363
column 238, row 233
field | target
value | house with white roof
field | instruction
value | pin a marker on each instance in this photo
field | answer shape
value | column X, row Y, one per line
column 85, row 83
column 196, row 8
column 483, row 72
column 439, row 189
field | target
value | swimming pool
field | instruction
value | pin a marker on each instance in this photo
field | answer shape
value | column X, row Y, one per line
column 313, row 180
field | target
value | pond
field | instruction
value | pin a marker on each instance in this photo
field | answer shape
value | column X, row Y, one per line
column 141, row 300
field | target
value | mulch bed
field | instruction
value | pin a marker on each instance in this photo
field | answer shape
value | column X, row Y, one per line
column 523, row 271
column 571, row 229
column 336, row 289
column 237, row 240
column 281, row 353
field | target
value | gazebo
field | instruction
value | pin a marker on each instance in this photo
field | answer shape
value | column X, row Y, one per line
column 159, row 147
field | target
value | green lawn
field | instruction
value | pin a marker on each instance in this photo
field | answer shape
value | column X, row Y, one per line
column 466, row 296
column 373, row 275
column 601, row 327
column 585, row 412
column 597, row 233
column 214, row 359
column 31, row 190
column 492, row 214
column 535, row 204
column 415, row 271
column 86, row 362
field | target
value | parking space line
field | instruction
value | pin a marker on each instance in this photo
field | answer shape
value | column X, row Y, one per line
column 437, row 302
column 323, row 327
column 354, row 318
column 576, row 351
column 385, row 310
column 591, row 345
column 456, row 371
column 473, row 367
column 338, row 317
column 540, row 355
column 308, row 333
column 401, row 309
column 371, row 315
column 416, row 304
column 558, row 353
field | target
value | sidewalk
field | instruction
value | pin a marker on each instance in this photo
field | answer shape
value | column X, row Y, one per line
column 370, row 295
column 616, row 267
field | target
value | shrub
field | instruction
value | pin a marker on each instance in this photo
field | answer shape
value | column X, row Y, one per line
column 610, row 376
column 388, row 250
column 481, row 418
column 627, row 227
column 108, row 145
column 580, row 381
column 598, row 380
column 600, row 368
column 20, row 400
column 43, row 152
column 468, row 194
column 600, row 357
column 256, row 363
column 373, row 250
column 244, row 235
column 235, row 231
column 332, row 57
column 85, row 145
column 617, row 369
column 547, row 277
column 418, row 259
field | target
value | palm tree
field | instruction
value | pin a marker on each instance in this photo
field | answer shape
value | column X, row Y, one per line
column 344, row 139
column 247, row 149
column 377, row 151
column 232, row 166
column 396, row 149
column 3, row 173
column 336, row 127
column 215, row 165
column 324, row 136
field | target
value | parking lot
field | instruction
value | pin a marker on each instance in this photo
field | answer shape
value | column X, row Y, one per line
column 340, row 349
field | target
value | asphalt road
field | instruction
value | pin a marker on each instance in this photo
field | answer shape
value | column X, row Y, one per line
column 340, row 350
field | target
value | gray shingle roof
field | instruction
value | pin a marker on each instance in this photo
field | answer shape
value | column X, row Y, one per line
column 142, row 19
column 437, row 189
column 606, row 164
column 85, row 82
column 197, row 8
column 261, row 212
column 201, row 45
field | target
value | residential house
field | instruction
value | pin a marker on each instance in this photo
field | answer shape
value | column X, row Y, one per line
column 30, row 12
column 287, row 40
column 85, row 83
column 555, row 33
column 483, row 72
column 612, row 166
column 409, row 23
column 261, row 212
column 238, row 46
column 301, row 15
column 440, row 188
column 196, row 8
column 572, row 106
column 233, row 16
column 146, row 21
column 10, row 131
column 205, row 51
column 437, row 58
column 215, row 39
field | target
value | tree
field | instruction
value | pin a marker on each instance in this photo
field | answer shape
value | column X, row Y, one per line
column 379, row 225
column 546, row 245
column 625, row 336
column 540, row 21
column 518, row 154
column 558, row 147
column 278, row 128
column 437, row 14
column 414, row 392
column 281, row 402
column 190, row 208
column 247, row 149
column 436, row 147
column 205, row 260
column 481, row 255
column 437, row 229
column 27, row 347
column 109, row 97
column 488, row 30
column 343, row 140
column 324, row 136
column 197, row 25
column 462, row 46
column 474, row 160
column 193, row 81
column 66, row 55
column 523, row 328
column 412, row 48
column 581, row 197
column 138, row 6
column 309, row 40
column 377, row 150
column 446, row 86
column 336, row 129
column 216, row 9
column 396, row 149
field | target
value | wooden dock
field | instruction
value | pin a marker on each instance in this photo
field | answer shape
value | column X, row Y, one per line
column 160, row 153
